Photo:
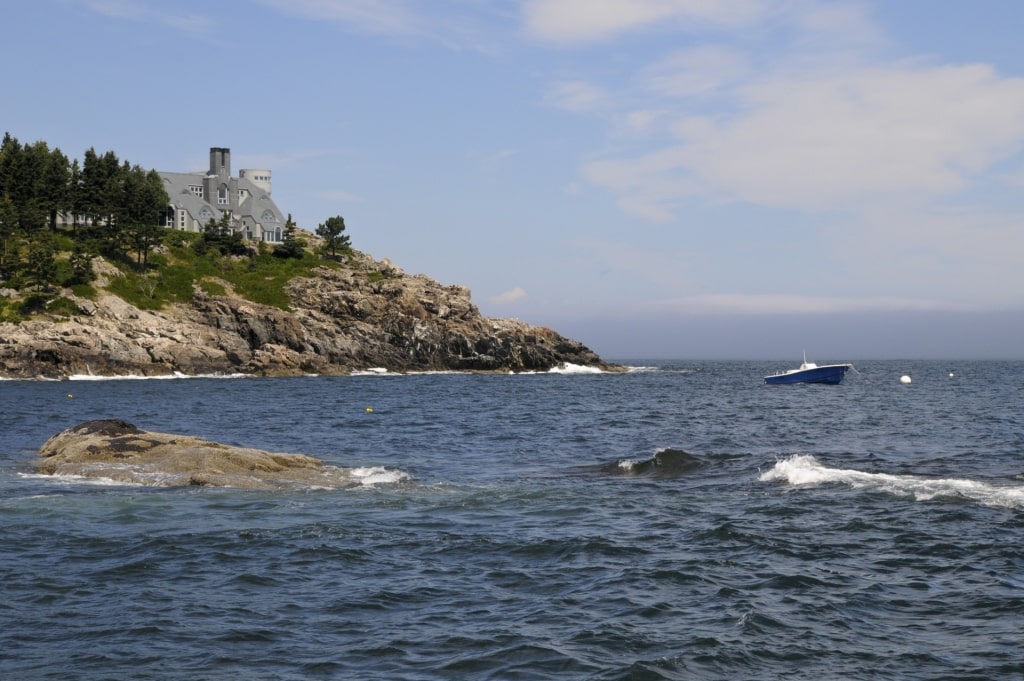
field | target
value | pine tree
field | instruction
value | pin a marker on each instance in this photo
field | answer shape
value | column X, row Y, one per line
column 331, row 231
column 291, row 246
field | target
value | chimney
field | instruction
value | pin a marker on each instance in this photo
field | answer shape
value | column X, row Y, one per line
column 220, row 161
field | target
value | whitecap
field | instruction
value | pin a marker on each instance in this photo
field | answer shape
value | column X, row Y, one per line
column 372, row 371
column 141, row 475
column 804, row 469
column 575, row 369
column 141, row 377
column 81, row 480
column 377, row 475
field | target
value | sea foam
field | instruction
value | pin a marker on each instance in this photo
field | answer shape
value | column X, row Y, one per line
column 159, row 377
column 804, row 469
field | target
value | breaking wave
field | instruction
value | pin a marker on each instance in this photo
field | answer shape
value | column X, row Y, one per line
column 805, row 470
column 666, row 463
column 160, row 377
column 141, row 475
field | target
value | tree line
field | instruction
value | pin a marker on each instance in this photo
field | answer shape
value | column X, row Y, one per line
column 107, row 207
column 114, row 208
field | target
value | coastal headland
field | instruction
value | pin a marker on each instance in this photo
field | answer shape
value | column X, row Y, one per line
column 344, row 317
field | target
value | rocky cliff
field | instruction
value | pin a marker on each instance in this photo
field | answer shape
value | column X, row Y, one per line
column 342, row 319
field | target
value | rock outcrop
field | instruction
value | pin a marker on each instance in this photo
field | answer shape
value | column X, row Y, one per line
column 118, row 451
column 367, row 315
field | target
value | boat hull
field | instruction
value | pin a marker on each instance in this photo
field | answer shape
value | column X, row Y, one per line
column 831, row 374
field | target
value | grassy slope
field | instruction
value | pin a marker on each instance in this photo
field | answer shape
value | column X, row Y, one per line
column 170, row 277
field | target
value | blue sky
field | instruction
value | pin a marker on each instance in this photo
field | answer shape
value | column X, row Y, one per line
column 655, row 178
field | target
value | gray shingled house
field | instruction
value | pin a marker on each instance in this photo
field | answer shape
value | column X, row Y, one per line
column 197, row 198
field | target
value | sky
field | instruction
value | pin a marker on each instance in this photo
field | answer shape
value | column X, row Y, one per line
column 691, row 179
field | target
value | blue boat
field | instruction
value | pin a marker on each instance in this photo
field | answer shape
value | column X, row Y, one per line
column 809, row 372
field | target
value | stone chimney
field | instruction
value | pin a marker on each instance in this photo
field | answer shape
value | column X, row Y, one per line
column 220, row 161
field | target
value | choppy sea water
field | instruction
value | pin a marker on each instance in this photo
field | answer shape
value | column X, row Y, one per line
column 681, row 521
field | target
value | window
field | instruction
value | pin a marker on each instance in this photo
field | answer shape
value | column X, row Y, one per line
column 222, row 195
column 196, row 189
column 182, row 217
column 268, row 216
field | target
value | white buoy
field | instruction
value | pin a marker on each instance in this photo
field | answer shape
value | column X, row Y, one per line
column 904, row 379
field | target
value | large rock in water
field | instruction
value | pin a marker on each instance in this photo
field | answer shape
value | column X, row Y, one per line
column 117, row 450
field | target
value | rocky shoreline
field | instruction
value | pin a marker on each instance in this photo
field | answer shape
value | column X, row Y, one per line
column 341, row 321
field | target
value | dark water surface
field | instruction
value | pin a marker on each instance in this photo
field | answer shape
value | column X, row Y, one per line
column 682, row 521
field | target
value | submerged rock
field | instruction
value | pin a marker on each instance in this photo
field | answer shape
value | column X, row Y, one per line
column 115, row 450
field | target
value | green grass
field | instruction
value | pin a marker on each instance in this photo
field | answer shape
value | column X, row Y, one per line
column 62, row 307
column 173, row 274
column 171, row 278
column 213, row 288
column 10, row 312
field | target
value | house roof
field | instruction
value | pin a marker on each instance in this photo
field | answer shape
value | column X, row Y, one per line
column 257, row 205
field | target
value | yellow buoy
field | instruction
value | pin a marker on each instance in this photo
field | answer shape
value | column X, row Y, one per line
column 369, row 409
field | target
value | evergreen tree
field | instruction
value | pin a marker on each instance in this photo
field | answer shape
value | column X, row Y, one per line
column 75, row 194
column 36, row 180
column 331, row 232
column 221, row 236
column 291, row 246
column 10, row 150
column 143, row 199
column 81, row 263
column 39, row 186
column 8, row 232
column 101, row 191
column 41, row 264
column 55, row 186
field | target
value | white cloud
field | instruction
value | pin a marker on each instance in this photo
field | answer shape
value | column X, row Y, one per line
column 697, row 71
column 457, row 24
column 503, row 154
column 643, row 120
column 576, row 96
column 828, row 139
column 843, row 20
column 513, row 296
column 117, row 9
column 132, row 10
column 580, row 21
column 393, row 17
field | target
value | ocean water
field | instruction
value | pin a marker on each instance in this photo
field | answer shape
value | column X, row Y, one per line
column 680, row 521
